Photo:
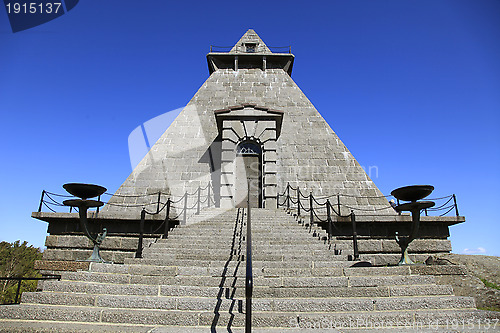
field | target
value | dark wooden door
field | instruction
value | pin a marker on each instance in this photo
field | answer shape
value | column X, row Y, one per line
column 248, row 173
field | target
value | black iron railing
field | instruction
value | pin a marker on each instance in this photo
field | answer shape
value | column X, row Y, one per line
column 293, row 199
column 203, row 196
column 193, row 202
column 21, row 279
column 321, row 210
column 274, row 49
column 181, row 212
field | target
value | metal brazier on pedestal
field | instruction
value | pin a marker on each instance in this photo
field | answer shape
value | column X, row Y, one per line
column 85, row 191
column 411, row 193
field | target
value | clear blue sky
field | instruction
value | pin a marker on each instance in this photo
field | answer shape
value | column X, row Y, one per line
column 411, row 87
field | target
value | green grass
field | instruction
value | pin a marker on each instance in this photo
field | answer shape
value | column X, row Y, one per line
column 490, row 284
column 489, row 308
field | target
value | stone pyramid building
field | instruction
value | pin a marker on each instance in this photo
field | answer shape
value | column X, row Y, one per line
column 250, row 109
column 249, row 129
column 249, row 123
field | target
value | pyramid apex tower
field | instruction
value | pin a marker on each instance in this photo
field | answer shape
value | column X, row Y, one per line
column 249, row 122
column 251, row 52
column 250, row 42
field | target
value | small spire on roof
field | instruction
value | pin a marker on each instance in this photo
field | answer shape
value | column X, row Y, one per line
column 250, row 42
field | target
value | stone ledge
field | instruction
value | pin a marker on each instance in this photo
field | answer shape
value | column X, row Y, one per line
column 439, row 270
column 61, row 265
column 379, row 246
column 69, row 255
column 82, row 242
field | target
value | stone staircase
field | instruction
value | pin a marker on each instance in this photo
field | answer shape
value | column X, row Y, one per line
column 194, row 281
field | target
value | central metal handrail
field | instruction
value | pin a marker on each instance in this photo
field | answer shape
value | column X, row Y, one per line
column 249, row 273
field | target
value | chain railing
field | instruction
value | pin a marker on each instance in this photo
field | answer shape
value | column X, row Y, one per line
column 315, row 208
column 203, row 198
column 292, row 199
column 49, row 201
column 321, row 210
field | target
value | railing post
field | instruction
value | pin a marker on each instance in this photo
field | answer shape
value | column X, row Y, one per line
column 329, row 220
column 311, row 212
column 138, row 254
column 249, row 273
column 338, row 204
column 98, row 199
column 298, row 202
column 199, row 202
column 455, row 202
column 41, row 201
column 288, row 197
column 18, row 290
column 208, row 195
column 354, row 236
column 158, row 204
column 185, row 207
column 277, row 201
column 167, row 220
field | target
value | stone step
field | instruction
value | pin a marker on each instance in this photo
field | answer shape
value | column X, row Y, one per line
column 200, row 271
column 324, row 304
column 263, row 224
column 269, row 226
column 148, row 285
column 175, row 247
column 238, row 270
column 219, row 255
column 101, row 288
column 225, row 238
column 229, row 237
column 308, row 292
column 232, row 270
column 226, row 230
column 260, row 220
column 315, row 246
column 236, row 319
column 183, row 267
column 43, row 326
column 188, row 280
column 336, row 261
column 266, row 222
column 195, row 241
column 258, row 226
column 40, row 326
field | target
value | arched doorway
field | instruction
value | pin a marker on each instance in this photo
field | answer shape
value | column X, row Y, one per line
column 248, row 171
